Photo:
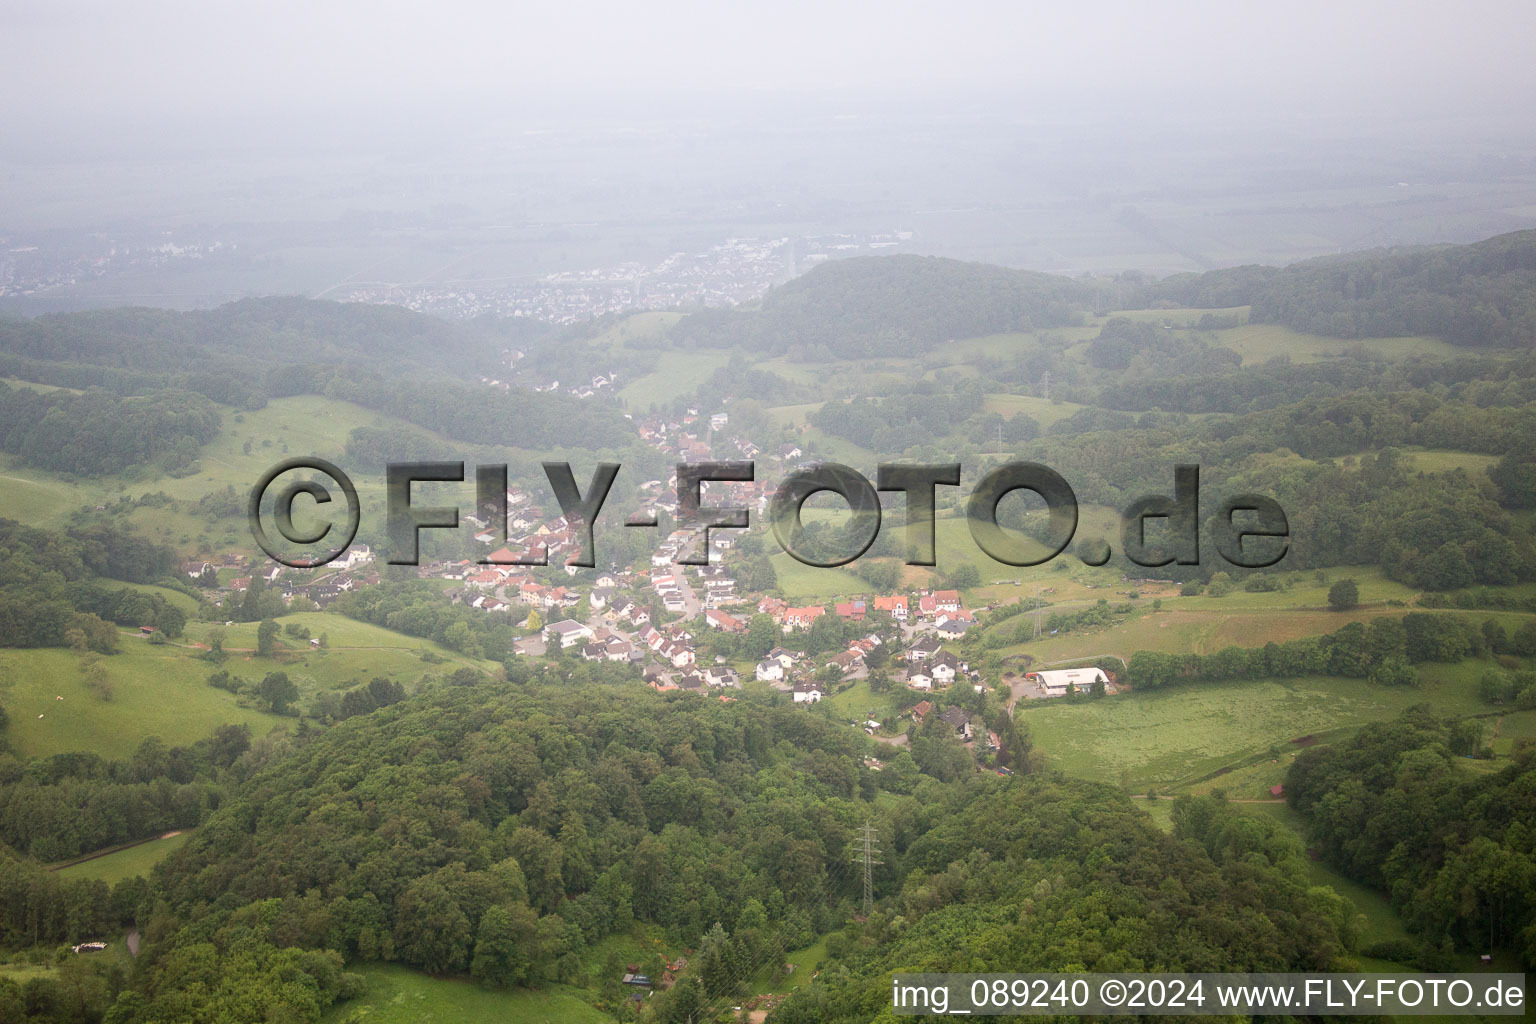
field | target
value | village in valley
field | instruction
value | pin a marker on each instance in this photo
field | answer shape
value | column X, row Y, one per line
column 706, row 629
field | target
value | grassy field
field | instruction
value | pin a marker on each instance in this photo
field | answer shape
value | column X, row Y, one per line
column 136, row 860
column 1474, row 463
column 355, row 651
column 23, row 973
column 679, row 373
column 792, row 415
column 397, row 995
column 1204, row 624
column 800, row 582
column 1512, row 727
column 1258, row 343
column 636, row 327
column 162, row 690
column 805, row 961
column 799, row 373
column 1173, row 738
column 158, row 690
column 1042, row 410
column 17, row 382
column 186, row 602
column 31, row 496
column 965, row 351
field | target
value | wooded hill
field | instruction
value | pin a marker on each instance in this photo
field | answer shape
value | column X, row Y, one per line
column 1480, row 295
column 892, row 305
column 505, row 831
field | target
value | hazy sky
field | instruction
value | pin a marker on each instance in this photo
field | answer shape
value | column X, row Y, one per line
column 87, row 60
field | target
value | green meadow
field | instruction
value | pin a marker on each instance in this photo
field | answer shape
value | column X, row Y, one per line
column 635, row 327
column 1043, row 411
column 398, row 995
column 679, row 373
column 162, row 689
column 1172, row 738
column 1259, row 343
column 135, row 860
column 157, row 690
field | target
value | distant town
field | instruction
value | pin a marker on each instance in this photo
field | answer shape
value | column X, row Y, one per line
column 734, row 271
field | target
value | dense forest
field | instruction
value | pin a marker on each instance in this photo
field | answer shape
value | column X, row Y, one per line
column 1395, row 809
column 500, row 831
column 98, row 433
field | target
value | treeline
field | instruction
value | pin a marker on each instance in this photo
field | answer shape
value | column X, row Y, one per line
column 1482, row 382
column 480, row 414
column 885, row 306
column 249, row 337
column 1382, row 651
column 1394, row 810
column 72, row 804
column 98, row 433
column 1434, row 531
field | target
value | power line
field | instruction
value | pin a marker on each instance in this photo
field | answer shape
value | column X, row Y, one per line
column 868, row 855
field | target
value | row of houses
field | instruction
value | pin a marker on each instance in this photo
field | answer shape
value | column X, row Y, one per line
column 941, row 608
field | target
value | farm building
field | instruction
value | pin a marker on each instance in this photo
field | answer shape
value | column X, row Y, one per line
column 1056, row 682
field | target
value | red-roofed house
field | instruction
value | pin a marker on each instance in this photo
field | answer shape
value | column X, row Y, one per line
column 801, row 618
column 851, row 610
column 720, row 620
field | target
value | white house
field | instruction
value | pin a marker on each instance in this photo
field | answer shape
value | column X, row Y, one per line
column 569, row 631
column 1056, row 682
column 721, row 675
column 770, row 671
column 923, row 649
column 807, row 693
column 951, row 628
